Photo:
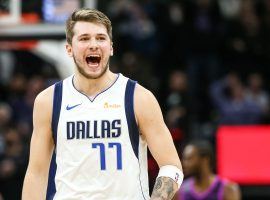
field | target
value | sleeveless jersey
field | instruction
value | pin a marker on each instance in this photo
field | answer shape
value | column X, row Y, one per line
column 99, row 153
column 214, row 192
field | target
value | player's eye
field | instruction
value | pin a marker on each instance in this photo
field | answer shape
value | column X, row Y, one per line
column 101, row 38
column 84, row 39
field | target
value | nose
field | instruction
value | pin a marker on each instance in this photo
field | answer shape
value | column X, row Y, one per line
column 93, row 45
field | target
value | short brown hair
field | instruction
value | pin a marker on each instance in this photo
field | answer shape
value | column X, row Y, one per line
column 87, row 15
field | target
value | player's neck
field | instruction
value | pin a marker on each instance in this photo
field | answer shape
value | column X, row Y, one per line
column 204, row 179
column 92, row 87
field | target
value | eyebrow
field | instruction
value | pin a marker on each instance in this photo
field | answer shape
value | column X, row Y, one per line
column 86, row 34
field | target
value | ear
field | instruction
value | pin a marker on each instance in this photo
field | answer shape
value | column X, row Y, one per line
column 69, row 50
column 111, row 49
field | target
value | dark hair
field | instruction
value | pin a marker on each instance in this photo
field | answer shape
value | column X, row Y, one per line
column 205, row 149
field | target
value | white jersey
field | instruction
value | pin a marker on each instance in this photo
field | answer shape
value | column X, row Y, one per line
column 99, row 152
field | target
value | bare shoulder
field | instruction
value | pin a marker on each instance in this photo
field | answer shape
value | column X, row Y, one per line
column 45, row 97
column 232, row 191
column 142, row 93
column 146, row 104
column 43, row 105
column 144, row 98
column 147, row 110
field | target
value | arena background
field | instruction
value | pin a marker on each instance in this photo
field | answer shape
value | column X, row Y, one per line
column 196, row 56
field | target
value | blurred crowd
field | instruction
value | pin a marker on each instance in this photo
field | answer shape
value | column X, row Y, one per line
column 207, row 62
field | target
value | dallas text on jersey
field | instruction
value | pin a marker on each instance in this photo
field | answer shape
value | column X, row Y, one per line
column 93, row 129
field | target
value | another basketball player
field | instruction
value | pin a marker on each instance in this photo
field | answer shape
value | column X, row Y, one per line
column 203, row 184
column 95, row 127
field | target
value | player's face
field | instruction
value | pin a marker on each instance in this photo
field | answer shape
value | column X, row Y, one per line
column 91, row 49
column 191, row 161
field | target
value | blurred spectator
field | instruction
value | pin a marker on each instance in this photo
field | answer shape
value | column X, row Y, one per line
column 24, row 105
column 135, row 28
column 6, row 66
column 14, row 145
column 232, row 103
column 177, row 105
column 201, row 183
column 12, row 165
column 5, row 116
column 172, row 36
column 229, row 8
column 255, row 92
column 204, row 33
column 244, row 46
column 265, row 18
column 17, row 86
column 139, row 68
column 143, row 33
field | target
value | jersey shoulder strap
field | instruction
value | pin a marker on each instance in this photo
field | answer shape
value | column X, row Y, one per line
column 57, row 102
column 130, row 115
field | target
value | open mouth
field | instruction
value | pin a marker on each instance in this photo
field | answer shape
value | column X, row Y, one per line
column 93, row 60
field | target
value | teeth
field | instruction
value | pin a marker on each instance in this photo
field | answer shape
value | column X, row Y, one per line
column 97, row 56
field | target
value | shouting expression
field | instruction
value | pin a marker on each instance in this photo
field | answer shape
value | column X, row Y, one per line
column 91, row 49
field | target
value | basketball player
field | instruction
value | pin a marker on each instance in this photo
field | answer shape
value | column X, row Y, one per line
column 203, row 184
column 94, row 128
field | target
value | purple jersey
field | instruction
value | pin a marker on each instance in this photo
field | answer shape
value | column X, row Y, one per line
column 214, row 192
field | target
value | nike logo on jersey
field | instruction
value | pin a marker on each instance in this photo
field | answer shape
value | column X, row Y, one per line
column 71, row 107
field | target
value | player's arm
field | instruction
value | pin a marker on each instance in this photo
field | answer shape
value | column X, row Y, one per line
column 177, row 196
column 232, row 192
column 35, row 182
column 152, row 127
